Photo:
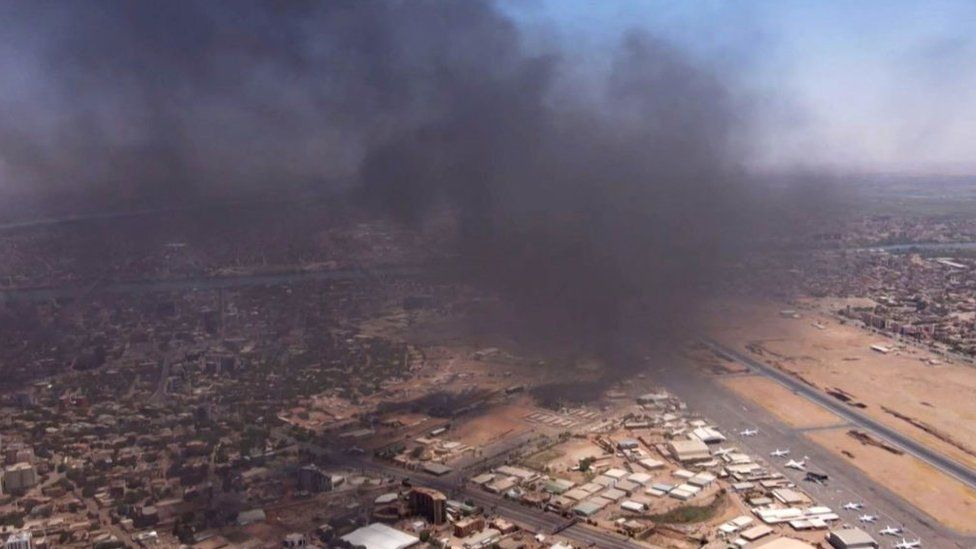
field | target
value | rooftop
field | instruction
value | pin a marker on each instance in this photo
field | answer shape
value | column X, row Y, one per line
column 380, row 536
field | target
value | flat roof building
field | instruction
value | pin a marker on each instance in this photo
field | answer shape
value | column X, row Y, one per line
column 756, row 532
column 851, row 538
column 590, row 507
column 559, row 486
column 380, row 536
column 689, row 450
column 465, row 527
column 708, row 435
column 782, row 543
column 437, row 469
column 627, row 444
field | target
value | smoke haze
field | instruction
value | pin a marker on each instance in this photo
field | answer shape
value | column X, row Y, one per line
column 579, row 209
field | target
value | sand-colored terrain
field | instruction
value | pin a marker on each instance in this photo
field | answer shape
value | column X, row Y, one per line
column 947, row 500
column 563, row 457
column 934, row 404
column 792, row 409
column 498, row 423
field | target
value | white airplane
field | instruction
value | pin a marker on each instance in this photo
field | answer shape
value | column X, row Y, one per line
column 890, row 531
column 724, row 451
column 867, row 518
column 749, row 432
column 905, row 544
column 780, row 453
column 798, row 465
column 852, row 506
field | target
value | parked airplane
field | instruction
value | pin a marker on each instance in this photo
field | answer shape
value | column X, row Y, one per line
column 867, row 518
column 798, row 465
column 749, row 432
column 905, row 544
column 890, row 531
column 780, row 453
column 852, row 506
column 724, row 451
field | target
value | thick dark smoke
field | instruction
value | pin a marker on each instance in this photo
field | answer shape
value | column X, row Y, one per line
column 587, row 212
column 172, row 102
column 598, row 222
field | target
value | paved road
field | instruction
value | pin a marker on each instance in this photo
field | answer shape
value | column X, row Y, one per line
column 947, row 465
column 536, row 519
column 453, row 485
column 159, row 395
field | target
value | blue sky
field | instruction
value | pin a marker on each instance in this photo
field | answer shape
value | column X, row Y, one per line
column 880, row 86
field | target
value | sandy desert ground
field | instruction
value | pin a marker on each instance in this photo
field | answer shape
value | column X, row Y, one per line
column 948, row 501
column 791, row 409
column 933, row 403
column 495, row 424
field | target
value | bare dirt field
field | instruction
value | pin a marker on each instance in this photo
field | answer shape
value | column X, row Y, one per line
column 497, row 423
column 792, row 409
column 565, row 456
column 945, row 499
column 934, row 404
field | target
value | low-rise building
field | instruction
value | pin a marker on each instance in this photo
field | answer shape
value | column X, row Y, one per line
column 687, row 451
column 851, row 538
column 380, row 536
column 465, row 527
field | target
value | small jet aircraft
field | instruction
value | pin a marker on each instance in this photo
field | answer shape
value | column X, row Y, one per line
column 852, row 506
column 798, row 465
column 867, row 518
column 780, row 453
column 905, row 544
column 749, row 432
column 723, row 451
column 890, row 531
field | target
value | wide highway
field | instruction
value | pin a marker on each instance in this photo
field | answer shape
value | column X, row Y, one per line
column 453, row 485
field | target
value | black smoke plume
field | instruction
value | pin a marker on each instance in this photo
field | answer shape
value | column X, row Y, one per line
column 593, row 214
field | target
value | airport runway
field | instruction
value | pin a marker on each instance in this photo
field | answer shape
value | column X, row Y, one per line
column 732, row 414
column 947, row 465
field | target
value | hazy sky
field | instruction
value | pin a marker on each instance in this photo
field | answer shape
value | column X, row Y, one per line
column 98, row 95
column 865, row 85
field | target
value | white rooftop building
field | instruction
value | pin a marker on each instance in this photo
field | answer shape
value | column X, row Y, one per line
column 380, row 536
column 21, row 540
